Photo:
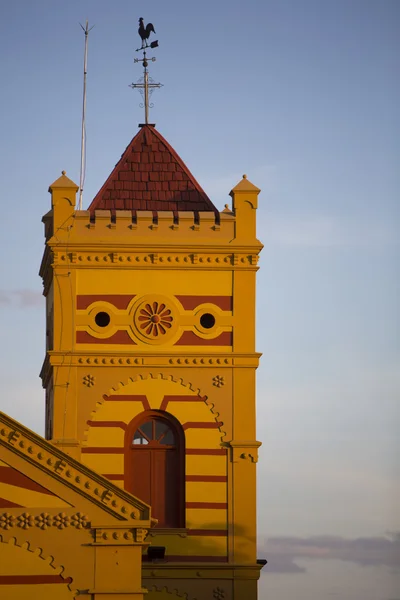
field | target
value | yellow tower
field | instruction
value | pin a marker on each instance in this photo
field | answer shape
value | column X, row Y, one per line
column 150, row 364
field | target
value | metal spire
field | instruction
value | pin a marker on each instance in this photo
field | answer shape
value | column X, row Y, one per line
column 146, row 84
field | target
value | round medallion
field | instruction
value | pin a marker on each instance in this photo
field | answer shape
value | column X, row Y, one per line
column 154, row 319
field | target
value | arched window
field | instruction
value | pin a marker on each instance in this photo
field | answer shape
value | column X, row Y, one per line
column 154, row 465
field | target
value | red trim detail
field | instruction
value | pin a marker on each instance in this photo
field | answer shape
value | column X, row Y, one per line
column 119, row 337
column 120, row 301
column 214, row 532
column 7, row 504
column 194, row 559
column 207, row 478
column 206, row 451
column 33, row 579
column 119, row 424
column 133, row 398
column 14, row 477
column 168, row 399
column 192, row 302
column 189, row 338
column 222, row 505
column 102, row 450
column 200, row 425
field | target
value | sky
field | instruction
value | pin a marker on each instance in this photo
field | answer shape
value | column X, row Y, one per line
column 302, row 96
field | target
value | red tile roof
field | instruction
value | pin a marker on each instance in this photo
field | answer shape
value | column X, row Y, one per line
column 151, row 176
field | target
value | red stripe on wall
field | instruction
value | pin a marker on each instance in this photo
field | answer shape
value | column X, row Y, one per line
column 207, row 478
column 119, row 424
column 120, row 337
column 132, row 398
column 201, row 425
column 189, row 338
column 32, row 579
column 168, row 399
column 14, row 477
column 214, row 451
column 191, row 302
column 7, row 504
column 222, row 505
column 98, row 450
column 118, row 300
column 214, row 532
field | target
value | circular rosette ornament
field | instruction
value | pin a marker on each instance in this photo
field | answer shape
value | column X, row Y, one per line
column 154, row 320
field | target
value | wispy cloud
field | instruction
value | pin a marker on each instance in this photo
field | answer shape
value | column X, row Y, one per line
column 282, row 552
column 21, row 298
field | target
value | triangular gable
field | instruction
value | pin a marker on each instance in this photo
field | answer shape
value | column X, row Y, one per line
column 42, row 471
column 151, row 176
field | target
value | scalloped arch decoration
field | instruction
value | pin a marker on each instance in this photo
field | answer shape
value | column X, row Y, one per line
column 38, row 553
column 200, row 411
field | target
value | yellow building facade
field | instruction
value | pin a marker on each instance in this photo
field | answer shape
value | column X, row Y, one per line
column 150, row 378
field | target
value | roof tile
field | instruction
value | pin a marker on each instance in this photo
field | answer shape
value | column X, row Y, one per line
column 151, row 176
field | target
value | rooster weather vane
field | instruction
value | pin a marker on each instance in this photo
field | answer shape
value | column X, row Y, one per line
column 146, row 84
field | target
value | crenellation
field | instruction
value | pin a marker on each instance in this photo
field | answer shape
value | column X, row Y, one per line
column 164, row 227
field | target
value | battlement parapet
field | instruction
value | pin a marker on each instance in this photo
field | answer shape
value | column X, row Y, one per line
column 168, row 226
column 152, row 227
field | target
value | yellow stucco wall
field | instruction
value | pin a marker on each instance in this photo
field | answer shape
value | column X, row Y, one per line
column 117, row 268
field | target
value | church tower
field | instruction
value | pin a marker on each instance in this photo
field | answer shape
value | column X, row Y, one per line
column 150, row 362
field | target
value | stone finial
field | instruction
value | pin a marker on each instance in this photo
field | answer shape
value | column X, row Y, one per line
column 63, row 182
column 245, row 186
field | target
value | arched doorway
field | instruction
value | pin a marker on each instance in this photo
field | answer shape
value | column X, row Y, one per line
column 154, row 465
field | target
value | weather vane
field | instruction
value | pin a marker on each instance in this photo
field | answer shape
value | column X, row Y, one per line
column 146, row 84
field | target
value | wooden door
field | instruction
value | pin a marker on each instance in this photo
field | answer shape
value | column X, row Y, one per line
column 153, row 469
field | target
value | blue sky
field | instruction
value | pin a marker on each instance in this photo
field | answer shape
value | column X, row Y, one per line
column 303, row 96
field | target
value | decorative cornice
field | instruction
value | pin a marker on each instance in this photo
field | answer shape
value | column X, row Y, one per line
column 62, row 467
column 119, row 359
column 145, row 260
column 146, row 245
column 244, row 450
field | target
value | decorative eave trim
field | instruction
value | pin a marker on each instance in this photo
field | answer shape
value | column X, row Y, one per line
column 71, row 472
column 81, row 246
